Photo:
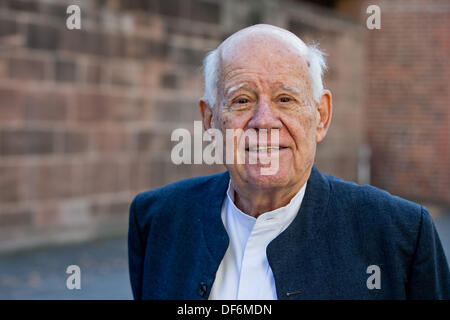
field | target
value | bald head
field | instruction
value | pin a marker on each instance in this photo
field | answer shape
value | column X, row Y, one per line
column 258, row 40
column 263, row 35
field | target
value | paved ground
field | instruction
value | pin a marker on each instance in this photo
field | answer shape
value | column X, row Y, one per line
column 443, row 227
column 40, row 274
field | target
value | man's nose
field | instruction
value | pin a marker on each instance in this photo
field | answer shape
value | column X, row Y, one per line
column 265, row 117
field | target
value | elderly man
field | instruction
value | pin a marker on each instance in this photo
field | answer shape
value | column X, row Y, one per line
column 293, row 234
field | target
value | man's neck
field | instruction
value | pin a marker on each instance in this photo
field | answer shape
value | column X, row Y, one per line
column 255, row 201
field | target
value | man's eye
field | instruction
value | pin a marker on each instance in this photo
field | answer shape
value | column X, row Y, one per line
column 242, row 100
column 285, row 99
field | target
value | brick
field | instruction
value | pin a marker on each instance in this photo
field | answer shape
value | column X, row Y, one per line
column 164, row 172
column 8, row 28
column 171, row 8
column 173, row 172
column 176, row 111
column 11, row 183
column 45, row 105
column 26, row 141
column 26, row 69
column 22, row 5
column 50, row 181
column 55, row 10
column 79, row 178
column 136, row 48
column 203, row 170
column 157, row 175
column 123, row 75
column 111, row 140
column 42, row 37
column 140, row 174
column 96, row 108
column 65, row 70
column 157, row 49
column 74, row 142
column 153, row 143
column 205, row 11
column 95, row 44
column 189, row 56
column 11, row 105
column 82, row 41
column 300, row 28
column 114, row 45
column 73, row 40
column 146, row 5
column 92, row 73
column 106, row 176
column 3, row 69
column 142, row 109
column 190, row 81
column 169, row 81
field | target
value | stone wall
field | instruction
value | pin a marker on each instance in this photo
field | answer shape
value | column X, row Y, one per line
column 86, row 115
column 408, row 95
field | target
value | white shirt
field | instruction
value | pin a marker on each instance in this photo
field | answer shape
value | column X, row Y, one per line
column 244, row 272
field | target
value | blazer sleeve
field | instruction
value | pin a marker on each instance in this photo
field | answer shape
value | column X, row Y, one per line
column 136, row 252
column 429, row 277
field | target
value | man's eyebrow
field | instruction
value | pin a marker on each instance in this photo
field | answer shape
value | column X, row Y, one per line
column 292, row 89
column 234, row 88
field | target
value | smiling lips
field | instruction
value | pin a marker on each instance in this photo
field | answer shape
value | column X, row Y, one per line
column 264, row 148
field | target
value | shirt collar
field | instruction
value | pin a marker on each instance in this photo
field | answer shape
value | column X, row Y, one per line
column 282, row 216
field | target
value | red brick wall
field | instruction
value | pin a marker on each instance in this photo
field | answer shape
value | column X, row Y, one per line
column 408, row 78
column 86, row 115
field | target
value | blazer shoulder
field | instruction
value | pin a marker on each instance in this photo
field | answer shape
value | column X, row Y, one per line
column 382, row 206
column 169, row 198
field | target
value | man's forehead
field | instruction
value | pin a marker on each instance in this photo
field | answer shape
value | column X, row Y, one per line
column 262, row 49
column 269, row 39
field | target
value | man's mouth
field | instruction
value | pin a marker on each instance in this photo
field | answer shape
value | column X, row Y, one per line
column 264, row 148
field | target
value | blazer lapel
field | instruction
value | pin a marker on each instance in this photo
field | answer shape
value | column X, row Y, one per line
column 216, row 238
column 296, row 255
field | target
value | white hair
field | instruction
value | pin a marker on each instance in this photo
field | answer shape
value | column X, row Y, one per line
column 315, row 59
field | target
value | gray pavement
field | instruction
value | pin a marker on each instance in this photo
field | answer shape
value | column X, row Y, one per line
column 41, row 274
column 443, row 227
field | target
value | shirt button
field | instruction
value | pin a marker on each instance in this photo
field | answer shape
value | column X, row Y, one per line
column 203, row 288
column 293, row 293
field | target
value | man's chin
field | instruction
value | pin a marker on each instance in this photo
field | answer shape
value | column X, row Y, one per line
column 264, row 177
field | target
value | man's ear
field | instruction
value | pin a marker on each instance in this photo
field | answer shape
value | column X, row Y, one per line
column 325, row 110
column 206, row 112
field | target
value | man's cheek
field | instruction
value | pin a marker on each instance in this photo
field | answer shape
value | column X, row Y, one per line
column 225, row 121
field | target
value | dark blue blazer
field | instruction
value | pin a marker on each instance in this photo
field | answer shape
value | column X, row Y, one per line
column 177, row 240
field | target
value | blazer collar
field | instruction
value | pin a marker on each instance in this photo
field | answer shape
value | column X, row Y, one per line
column 314, row 201
column 210, row 204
